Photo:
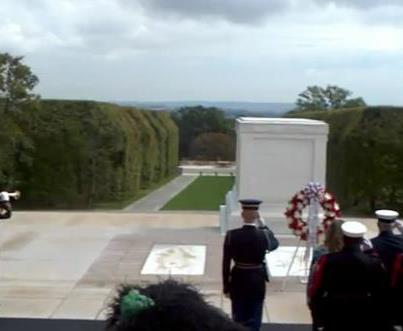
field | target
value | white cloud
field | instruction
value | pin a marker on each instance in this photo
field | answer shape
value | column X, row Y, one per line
column 237, row 11
column 253, row 50
column 362, row 4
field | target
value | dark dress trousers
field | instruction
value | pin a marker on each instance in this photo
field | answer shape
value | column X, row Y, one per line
column 246, row 281
column 348, row 291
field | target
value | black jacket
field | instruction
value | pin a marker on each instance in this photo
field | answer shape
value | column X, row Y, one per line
column 348, row 291
column 388, row 245
column 247, row 245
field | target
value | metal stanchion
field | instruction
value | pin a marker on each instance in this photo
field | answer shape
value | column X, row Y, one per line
column 313, row 222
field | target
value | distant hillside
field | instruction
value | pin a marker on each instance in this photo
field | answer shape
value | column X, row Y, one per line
column 233, row 108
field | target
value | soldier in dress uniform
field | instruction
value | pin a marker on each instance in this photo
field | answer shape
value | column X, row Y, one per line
column 389, row 247
column 245, row 282
column 387, row 244
column 348, row 287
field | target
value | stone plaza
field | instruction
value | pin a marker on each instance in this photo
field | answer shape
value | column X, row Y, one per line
column 68, row 264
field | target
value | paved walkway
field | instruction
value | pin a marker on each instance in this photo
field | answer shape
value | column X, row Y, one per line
column 158, row 198
column 67, row 264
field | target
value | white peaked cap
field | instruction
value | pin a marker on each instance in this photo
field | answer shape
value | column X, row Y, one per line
column 386, row 214
column 353, row 229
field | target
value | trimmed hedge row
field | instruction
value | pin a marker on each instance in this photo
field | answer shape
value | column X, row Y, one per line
column 76, row 154
column 365, row 157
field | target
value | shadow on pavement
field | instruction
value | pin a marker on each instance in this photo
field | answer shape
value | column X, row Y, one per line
column 23, row 324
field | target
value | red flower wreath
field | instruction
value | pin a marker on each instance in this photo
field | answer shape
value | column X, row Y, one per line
column 296, row 206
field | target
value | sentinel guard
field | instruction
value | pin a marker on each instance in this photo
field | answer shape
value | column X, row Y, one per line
column 245, row 282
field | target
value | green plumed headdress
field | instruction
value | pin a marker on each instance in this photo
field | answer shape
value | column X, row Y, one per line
column 133, row 303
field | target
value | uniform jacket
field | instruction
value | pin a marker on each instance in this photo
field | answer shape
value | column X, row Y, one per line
column 348, row 291
column 246, row 245
column 388, row 245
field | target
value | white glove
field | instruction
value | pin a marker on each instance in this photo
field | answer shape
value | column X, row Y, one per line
column 261, row 223
column 399, row 226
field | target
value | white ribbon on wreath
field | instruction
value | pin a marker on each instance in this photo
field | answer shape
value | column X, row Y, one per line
column 314, row 193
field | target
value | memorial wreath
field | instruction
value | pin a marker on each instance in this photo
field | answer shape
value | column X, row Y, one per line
column 302, row 199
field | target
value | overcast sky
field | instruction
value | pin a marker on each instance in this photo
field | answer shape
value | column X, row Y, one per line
column 219, row 50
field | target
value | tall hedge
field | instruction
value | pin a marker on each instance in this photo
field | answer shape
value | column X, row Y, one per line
column 75, row 154
column 161, row 134
column 365, row 156
column 149, row 147
column 172, row 142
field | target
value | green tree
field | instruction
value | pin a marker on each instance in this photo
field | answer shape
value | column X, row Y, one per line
column 316, row 98
column 16, row 81
column 212, row 146
column 193, row 121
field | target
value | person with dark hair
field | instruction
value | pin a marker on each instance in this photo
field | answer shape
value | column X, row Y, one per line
column 348, row 288
column 333, row 242
column 245, row 283
column 166, row 306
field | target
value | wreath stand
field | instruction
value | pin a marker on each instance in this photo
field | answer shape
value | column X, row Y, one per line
column 311, row 242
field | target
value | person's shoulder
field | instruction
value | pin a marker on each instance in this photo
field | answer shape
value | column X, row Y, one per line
column 376, row 240
column 231, row 233
column 399, row 237
column 387, row 240
column 337, row 257
column 372, row 259
column 237, row 231
column 321, row 249
column 334, row 255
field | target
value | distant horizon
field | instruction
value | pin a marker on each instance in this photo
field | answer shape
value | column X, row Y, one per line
column 208, row 101
column 165, row 101
column 196, row 101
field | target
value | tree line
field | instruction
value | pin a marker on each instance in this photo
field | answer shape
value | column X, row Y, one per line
column 364, row 157
column 205, row 133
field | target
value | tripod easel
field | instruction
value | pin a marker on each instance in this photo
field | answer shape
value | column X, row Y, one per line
column 313, row 222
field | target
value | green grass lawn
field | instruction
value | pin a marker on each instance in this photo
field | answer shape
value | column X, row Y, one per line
column 205, row 193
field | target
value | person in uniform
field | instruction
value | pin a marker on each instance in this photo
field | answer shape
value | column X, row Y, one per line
column 348, row 287
column 5, row 203
column 387, row 244
column 245, row 282
column 389, row 247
